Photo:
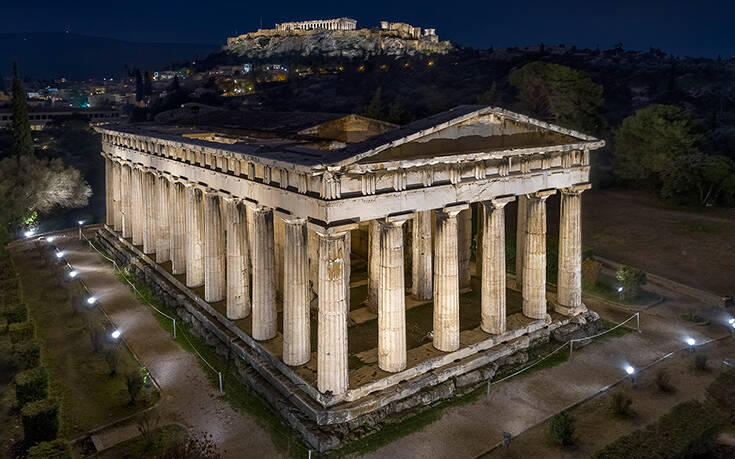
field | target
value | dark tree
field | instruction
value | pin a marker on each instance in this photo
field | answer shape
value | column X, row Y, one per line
column 147, row 84
column 175, row 86
column 138, row 86
column 21, row 125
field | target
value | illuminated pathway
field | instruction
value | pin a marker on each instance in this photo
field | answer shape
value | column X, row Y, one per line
column 188, row 397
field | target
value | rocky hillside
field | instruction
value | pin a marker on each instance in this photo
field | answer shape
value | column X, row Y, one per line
column 333, row 43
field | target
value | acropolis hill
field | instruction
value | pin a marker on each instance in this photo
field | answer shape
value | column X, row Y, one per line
column 338, row 37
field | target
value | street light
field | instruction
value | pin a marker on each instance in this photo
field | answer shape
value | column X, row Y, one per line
column 59, row 254
column 691, row 342
column 92, row 300
column 73, row 274
column 81, row 222
column 629, row 370
column 115, row 334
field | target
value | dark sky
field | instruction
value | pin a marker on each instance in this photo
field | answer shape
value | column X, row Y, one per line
column 693, row 28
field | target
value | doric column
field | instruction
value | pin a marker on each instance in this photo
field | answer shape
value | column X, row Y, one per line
column 520, row 238
column 534, row 256
column 238, row 266
column 464, row 248
column 493, row 264
column 264, row 285
column 116, row 197
column 373, row 265
column 194, row 236
column 177, row 217
column 150, row 221
column 569, row 285
column 478, row 239
column 446, row 280
column 163, row 232
column 136, row 206
column 296, row 327
column 126, row 190
column 421, row 275
column 332, row 370
column 214, row 246
column 109, row 192
column 391, row 297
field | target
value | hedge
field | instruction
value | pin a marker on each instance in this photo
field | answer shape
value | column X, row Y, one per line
column 31, row 385
column 7, row 358
column 16, row 312
column 27, row 353
column 21, row 331
column 57, row 449
column 3, row 325
column 40, row 421
column 722, row 390
column 688, row 430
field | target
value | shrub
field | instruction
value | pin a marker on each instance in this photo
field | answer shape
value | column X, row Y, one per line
column 688, row 430
column 112, row 358
column 31, row 385
column 17, row 312
column 561, row 429
column 663, row 381
column 134, row 383
column 7, row 359
column 56, row 449
column 21, row 331
column 620, row 403
column 631, row 279
column 40, row 421
column 198, row 445
column 3, row 325
column 27, row 354
column 98, row 337
column 700, row 362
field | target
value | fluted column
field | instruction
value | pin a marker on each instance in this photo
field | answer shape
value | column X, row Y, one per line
column 296, row 327
column 332, row 370
column 264, row 285
column 136, row 206
column 177, row 219
column 238, row 266
column 126, row 190
column 214, row 246
column 421, row 273
column 520, row 238
column 116, row 197
column 478, row 239
column 464, row 248
column 163, row 232
column 493, row 265
column 194, row 236
column 446, row 281
column 150, row 220
column 569, row 285
column 391, row 298
column 373, row 265
column 534, row 256
column 109, row 192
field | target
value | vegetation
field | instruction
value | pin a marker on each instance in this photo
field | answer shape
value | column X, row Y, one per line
column 56, row 449
column 561, row 429
column 21, row 125
column 689, row 430
column 663, row 382
column 631, row 280
column 153, row 445
column 620, row 404
column 40, row 421
column 700, row 362
column 31, row 385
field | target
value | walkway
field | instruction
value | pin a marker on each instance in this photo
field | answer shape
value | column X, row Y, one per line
column 188, row 397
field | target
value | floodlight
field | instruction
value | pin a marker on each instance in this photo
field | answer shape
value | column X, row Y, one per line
column 50, row 238
column 59, row 254
column 690, row 341
column 81, row 222
column 115, row 334
column 29, row 233
column 630, row 370
column 620, row 289
column 92, row 300
column 73, row 274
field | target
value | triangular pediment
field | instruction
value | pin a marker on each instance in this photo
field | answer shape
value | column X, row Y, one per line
column 463, row 130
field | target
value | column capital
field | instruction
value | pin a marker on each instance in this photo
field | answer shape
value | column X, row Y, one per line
column 541, row 194
column 339, row 229
column 576, row 189
column 289, row 218
column 452, row 210
column 395, row 220
column 498, row 202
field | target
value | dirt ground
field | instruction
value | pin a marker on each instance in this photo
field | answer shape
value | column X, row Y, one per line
column 597, row 425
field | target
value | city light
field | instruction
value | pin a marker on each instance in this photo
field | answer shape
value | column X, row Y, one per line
column 73, row 274
column 629, row 370
column 115, row 334
column 92, row 300
column 59, row 254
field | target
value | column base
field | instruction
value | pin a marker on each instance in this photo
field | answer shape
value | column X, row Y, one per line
column 570, row 311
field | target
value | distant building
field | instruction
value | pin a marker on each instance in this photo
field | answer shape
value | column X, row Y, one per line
column 326, row 24
column 39, row 117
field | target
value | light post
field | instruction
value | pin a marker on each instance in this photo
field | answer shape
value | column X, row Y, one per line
column 691, row 343
column 630, row 371
column 91, row 300
column 59, row 255
column 73, row 273
column 81, row 222
column 115, row 334
column 620, row 293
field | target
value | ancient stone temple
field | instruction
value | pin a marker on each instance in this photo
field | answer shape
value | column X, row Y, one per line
column 353, row 280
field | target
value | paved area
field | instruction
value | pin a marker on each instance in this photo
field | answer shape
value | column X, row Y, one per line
column 188, row 397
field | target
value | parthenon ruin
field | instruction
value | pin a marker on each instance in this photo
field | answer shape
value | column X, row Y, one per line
column 390, row 249
column 326, row 24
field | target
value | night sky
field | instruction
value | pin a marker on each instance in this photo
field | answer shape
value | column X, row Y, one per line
column 687, row 28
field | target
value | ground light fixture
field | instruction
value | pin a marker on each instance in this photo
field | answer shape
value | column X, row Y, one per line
column 29, row 233
column 691, row 342
column 620, row 289
column 731, row 321
column 92, row 300
column 81, row 222
column 50, row 238
column 73, row 274
column 629, row 370
column 59, row 254
column 115, row 334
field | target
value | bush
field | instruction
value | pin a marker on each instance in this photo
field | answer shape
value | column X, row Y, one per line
column 663, row 381
column 17, row 312
column 27, row 354
column 7, row 360
column 56, row 449
column 722, row 390
column 99, row 338
column 134, row 383
column 21, row 331
column 31, row 385
column 561, row 429
column 631, row 279
column 112, row 358
column 3, row 325
column 688, row 430
column 700, row 362
column 40, row 421
column 620, row 403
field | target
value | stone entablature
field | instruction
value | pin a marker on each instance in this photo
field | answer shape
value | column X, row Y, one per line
column 326, row 24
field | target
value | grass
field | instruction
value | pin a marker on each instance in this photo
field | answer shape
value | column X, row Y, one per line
column 79, row 377
column 161, row 438
column 605, row 288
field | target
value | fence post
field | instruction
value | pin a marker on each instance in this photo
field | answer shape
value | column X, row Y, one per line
column 174, row 328
column 571, row 347
column 219, row 373
column 638, row 321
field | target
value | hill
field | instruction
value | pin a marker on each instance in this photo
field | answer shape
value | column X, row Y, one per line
column 73, row 56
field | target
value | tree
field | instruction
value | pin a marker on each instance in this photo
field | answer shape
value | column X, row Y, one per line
column 489, row 97
column 21, row 125
column 559, row 94
column 561, row 429
column 649, row 143
column 375, row 108
column 631, row 280
column 700, row 179
column 175, row 86
column 147, row 84
column 139, row 90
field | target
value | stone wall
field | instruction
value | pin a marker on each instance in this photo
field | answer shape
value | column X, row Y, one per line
column 332, row 436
